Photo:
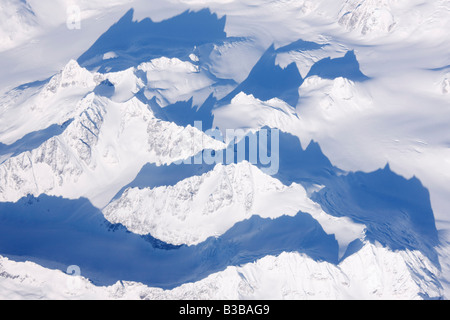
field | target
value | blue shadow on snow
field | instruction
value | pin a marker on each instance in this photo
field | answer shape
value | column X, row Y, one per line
column 33, row 140
column 396, row 211
column 56, row 233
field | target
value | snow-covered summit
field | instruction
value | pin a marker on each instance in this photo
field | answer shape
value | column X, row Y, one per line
column 367, row 16
column 204, row 206
column 446, row 84
column 372, row 273
column 72, row 76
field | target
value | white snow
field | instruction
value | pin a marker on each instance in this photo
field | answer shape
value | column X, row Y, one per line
column 102, row 150
column 254, row 114
column 201, row 207
column 367, row 16
column 372, row 273
column 17, row 23
column 446, row 84
column 37, row 108
column 173, row 80
column 110, row 55
column 194, row 58
column 400, row 116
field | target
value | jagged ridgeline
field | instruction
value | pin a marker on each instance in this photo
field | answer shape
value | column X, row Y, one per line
column 102, row 166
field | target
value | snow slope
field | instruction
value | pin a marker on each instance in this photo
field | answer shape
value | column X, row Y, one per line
column 92, row 156
column 18, row 23
column 366, row 79
column 372, row 273
column 21, row 20
column 35, row 107
column 173, row 80
column 201, row 207
column 367, row 16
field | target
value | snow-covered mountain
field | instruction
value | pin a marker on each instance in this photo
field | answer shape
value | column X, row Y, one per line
column 105, row 132
column 100, row 150
column 379, row 18
column 18, row 22
column 372, row 273
column 189, row 212
column 446, row 84
column 367, row 16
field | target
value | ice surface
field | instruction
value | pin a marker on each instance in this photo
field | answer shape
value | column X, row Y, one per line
column 93, row 120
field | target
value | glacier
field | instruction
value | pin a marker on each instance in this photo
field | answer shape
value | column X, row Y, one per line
column 98, row 132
